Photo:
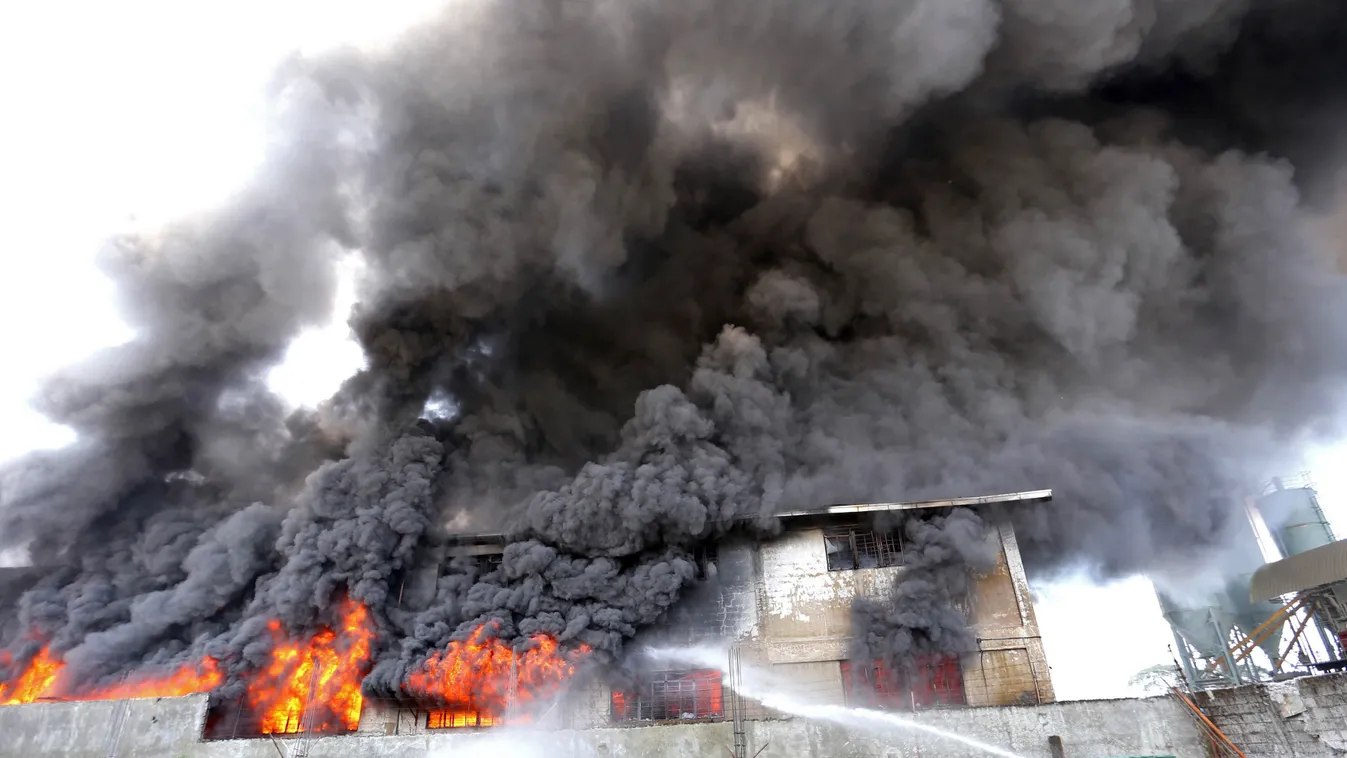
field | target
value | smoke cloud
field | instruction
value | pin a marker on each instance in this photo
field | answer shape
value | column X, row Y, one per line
column 634, row 271
column 924, row 613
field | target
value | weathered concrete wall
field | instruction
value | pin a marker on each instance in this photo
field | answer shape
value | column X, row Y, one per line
column 804, row 615
column 1010, row 665
column 149, row 728
column 169, row 728
column 1303, row 717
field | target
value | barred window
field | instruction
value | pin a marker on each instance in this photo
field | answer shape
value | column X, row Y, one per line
column 235, row 719
column 929, row 682
column 458, row 719
column 850, row 548
column 670, row 696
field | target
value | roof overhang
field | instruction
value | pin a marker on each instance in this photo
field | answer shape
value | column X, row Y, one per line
column 475, row 544
column 1031, row 496
column 1313, row 568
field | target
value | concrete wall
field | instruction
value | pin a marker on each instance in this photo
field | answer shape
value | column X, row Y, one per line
column 170, row 728
column 804, row 615
column 1303, row 717
column 149, row 728
column 783, row 606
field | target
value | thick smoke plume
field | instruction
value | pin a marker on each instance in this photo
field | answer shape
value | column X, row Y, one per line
column 635, row 270
column 924, row 613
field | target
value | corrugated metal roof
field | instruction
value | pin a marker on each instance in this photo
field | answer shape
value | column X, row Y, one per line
column 1312, row 568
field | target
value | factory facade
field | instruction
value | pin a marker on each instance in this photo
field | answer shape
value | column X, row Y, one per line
column 784, row 605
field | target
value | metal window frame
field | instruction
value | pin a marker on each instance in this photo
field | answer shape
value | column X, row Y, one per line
column 862, row 548
column 665, row 696
column 895, row 690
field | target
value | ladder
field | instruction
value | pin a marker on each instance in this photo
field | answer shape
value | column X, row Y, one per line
column 116, row 723
column 302, row 744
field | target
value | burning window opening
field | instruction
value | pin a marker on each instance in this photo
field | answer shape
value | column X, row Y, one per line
column 460, row 720
column 308, row 686
column 850, row 547
column 930, row 682
column 475, row 681
column 235, row 720
column 671, row 696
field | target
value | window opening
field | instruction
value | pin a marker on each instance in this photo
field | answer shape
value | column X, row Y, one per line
column 929, row 682
column 850, row 548
column 459, row 720
column 670, row 696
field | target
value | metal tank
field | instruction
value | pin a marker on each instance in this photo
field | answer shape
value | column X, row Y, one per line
column 1292, row 513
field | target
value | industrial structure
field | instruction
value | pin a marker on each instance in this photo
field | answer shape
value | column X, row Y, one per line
column 1292, row 610
column 785, row 603
column 782, row 605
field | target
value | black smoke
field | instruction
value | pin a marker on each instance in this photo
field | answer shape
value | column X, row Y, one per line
column 634, row 271
column 924, row 614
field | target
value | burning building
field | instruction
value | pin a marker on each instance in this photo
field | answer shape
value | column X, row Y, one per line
column 640, row 283
column 790, row 603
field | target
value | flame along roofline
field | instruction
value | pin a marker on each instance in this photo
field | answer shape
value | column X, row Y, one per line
column 1028, row 496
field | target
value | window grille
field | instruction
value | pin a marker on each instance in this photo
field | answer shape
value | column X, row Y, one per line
column 850, row 548
column 929, row 682
column 236, row 720
column 671, row 696
column 459, row 719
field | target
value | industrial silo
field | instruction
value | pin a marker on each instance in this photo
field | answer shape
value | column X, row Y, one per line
column 1292, row 513
column 1208, row 623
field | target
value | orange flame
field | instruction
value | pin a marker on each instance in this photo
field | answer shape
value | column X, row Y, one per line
column 34, row 681
column 480, row 678
column 323, row 672
column 42, row 679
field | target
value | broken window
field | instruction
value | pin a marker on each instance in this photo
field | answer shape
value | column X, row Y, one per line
column 670, row 696
column 850, row 548
column 928, row 682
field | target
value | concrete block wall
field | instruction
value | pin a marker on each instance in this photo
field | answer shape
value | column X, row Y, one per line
column 1301, row 718
column 171, row 728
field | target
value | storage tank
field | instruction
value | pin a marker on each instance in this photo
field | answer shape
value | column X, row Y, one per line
column 1292, row 513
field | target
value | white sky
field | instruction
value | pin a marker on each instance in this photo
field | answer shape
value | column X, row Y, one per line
column 145, row 109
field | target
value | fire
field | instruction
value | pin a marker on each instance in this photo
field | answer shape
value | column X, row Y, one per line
column 480, row 678
column 187, row 680
column 34, row 681
column 314, row 686
column 42, row 679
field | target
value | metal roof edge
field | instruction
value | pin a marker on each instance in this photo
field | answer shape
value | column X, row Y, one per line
column 1029, row 496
